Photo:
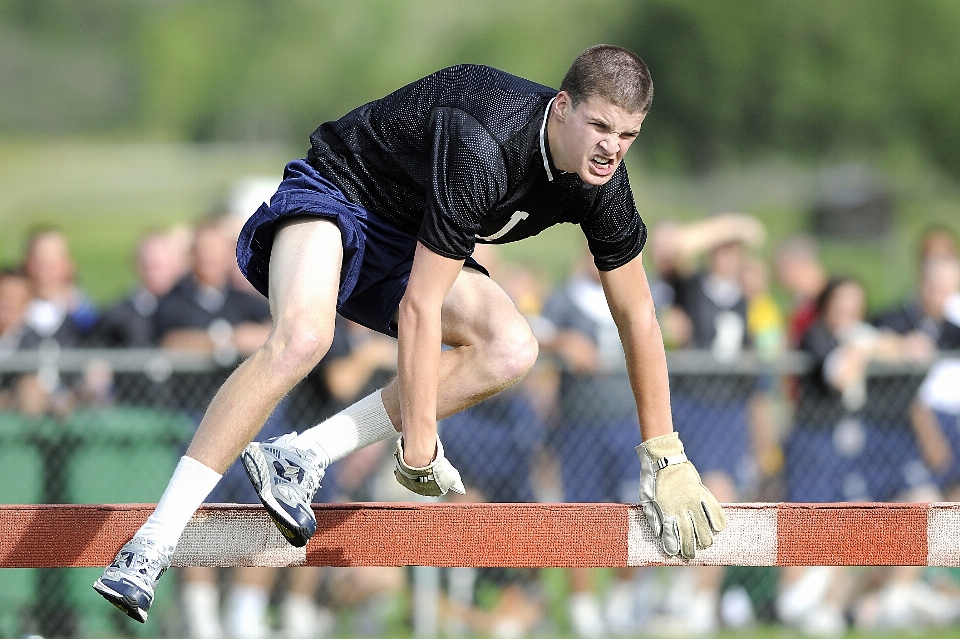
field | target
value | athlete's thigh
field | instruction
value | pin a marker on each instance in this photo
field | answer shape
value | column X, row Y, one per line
column 305, row 270
column 477, row 309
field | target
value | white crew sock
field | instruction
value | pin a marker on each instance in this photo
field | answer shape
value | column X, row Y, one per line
column 359, row 425
column 189, row 486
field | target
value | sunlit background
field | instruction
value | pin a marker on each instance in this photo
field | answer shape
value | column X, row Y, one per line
column 836, row 118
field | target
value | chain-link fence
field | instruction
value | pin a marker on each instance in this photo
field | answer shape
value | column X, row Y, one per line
column 108, row 426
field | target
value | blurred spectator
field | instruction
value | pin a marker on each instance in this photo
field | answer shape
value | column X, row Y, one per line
column 935, row 412
column 891, row 409
column 204, row 312
column 130, row 323
column 59, row 309
column 244, row 199
column 938, row 242
column 799, row 270
column 922, row 321
column 675, row 250
column 926, row 313
column 16, row 391
column 765, row 322
column 596, row 432
column 835, row 454
column 14, row 299
column 937, row 421
column 59, row 316
column 766, row 329
column 710, row 412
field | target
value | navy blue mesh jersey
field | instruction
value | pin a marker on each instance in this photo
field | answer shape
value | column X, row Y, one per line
column 461, row 156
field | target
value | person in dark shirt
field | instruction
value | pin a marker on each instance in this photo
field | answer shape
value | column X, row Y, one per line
column 836, row 451
column 933, row 414
column 378, row 223
column 130, row 322
column 711, row 411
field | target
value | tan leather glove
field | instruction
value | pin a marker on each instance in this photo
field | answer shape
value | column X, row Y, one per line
column 433, row 480
column 681, row 511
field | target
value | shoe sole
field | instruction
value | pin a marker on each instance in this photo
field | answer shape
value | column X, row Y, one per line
column 254, row 463
column 126, row 604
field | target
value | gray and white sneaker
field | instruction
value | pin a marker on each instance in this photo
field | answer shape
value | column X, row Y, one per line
column 130, row 581
column 286, row 478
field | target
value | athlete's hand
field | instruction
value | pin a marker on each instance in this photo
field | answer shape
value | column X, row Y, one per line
column 681, row 511
column 432, row 480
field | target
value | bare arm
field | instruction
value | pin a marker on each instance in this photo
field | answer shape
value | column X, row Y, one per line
column 628, row 296
column 701, row 236
column 418, row 357
column 934, row 445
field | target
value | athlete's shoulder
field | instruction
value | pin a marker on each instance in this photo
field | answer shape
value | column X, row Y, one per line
column 480, row 78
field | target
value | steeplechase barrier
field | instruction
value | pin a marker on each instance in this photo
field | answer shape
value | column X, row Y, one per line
column 490, row 535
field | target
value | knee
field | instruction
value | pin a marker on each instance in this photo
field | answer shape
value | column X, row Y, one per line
column 517, row 351
column 296, row 347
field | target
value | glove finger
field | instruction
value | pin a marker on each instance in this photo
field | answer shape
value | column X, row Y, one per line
column 448, row 477
column 654, row 517
column 714, row 512
column 670, row 539
column 456, row 485
column 701, row 527
column 688, row 540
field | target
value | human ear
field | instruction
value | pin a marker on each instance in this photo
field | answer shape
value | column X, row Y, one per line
column 561, row 105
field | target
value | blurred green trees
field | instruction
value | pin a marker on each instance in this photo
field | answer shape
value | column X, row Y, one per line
column 738, row 77
column 735, row 79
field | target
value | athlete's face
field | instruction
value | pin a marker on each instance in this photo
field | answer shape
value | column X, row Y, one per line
column 590, row 139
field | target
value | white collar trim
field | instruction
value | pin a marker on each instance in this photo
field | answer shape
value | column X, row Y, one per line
column 543, row 146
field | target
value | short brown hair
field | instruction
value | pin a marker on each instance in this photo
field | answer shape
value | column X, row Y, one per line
column 612, row 73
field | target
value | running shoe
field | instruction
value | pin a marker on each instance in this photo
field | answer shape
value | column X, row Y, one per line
column 285, row 478
column 130, row 581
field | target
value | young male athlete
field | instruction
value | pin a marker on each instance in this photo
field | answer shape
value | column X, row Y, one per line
column 378, row 224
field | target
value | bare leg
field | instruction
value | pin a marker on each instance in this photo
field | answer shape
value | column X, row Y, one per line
column 493, row 347
column 304, row 280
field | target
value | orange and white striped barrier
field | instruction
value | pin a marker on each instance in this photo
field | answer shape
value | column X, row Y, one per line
column 530, row 535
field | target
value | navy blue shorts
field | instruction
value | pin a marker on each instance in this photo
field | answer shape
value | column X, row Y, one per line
column 377, row 256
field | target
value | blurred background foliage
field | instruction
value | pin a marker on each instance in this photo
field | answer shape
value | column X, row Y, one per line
column 117, row 115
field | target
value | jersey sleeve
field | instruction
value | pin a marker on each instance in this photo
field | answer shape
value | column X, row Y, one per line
column 468, row 177
column 614, row 230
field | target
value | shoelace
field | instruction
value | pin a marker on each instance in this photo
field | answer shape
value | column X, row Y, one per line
column 145, row 558
column 311, row 475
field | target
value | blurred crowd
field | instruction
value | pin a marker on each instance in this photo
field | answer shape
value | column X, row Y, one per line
column 567, row 432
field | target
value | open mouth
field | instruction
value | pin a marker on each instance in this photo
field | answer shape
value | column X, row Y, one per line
column 602, row 166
